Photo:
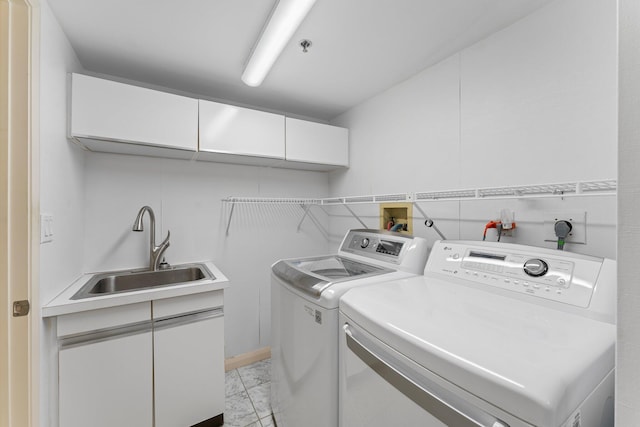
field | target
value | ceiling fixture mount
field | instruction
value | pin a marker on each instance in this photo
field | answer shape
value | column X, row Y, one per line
column 284, row 21
column 305, row 44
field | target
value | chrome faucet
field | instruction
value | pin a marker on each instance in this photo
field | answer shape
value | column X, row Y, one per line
column 155, row 252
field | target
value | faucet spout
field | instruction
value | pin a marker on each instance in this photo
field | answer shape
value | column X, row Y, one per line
column 155, row 252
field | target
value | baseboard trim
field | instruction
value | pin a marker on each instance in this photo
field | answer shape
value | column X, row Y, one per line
column 216, row 421
column 247, row 358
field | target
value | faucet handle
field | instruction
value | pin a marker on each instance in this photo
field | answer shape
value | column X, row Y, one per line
column 166, row 242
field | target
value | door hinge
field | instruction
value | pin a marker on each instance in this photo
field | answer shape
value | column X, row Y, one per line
column 21, row 308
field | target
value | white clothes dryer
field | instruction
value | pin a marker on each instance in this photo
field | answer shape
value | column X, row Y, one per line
column 493, row 335
column 304, row 318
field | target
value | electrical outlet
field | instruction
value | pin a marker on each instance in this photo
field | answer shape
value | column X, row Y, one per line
column 578, row 220
column 46, row 228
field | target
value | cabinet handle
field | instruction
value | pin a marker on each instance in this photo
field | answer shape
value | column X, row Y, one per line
column 104, row 334
column 435, row 399
column 183, row 319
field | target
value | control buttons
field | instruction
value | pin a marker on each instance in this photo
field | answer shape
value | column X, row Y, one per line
column 561, row 281
column 364, row 242
column 535, row 267
column 455, row 256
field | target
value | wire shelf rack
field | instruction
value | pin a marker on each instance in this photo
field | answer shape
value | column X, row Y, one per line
column 606, row 187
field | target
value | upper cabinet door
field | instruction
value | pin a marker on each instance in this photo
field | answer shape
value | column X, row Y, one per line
column 116, row 117
column 240, row 135
column 317, row 143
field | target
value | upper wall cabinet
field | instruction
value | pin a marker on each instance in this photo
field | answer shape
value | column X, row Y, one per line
column 114, row 117
column 316, row 146
column 240, row 135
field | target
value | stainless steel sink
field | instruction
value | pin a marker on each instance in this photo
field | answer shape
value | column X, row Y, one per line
column 135, row 280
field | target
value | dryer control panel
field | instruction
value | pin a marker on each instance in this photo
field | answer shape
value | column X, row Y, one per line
column 544, row 273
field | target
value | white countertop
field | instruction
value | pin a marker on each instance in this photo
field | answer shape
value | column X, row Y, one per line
column 63, row 304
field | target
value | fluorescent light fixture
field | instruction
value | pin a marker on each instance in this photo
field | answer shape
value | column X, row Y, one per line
column 285, row 20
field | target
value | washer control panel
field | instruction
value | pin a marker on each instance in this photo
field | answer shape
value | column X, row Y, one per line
column 544, row 273
column 366, row 243
column 389, row 249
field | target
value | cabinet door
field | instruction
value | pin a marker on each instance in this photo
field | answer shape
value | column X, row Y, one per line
column 107, row 382
column 116, row 117
column 236, row 135
column 317, row 143
column 189, row 370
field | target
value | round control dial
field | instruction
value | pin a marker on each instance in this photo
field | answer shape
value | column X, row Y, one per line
column 535, row 267
column 364, row 243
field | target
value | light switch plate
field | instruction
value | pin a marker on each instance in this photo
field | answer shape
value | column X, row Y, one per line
column 46, row 228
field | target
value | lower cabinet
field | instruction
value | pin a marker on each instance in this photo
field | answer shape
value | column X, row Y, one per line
column 189, row 368
column 107, row 381
column 155, row 364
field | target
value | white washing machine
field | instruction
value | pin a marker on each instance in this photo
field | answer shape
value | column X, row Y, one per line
column 304, row 318
column 492, row 335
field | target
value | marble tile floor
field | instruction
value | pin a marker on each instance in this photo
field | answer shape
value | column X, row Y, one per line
column 247, row 391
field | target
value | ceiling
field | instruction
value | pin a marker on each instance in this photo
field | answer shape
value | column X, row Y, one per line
column 360, row 47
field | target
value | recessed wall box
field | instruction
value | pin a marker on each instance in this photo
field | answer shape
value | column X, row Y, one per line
column 398, row 215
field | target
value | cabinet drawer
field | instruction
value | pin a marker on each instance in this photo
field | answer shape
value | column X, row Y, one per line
column 187, row 304
column 86, row 321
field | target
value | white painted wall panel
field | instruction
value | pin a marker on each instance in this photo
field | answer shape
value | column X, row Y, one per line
column 539, row 100
column 534, row 103
column 407, row 136
column 628, row 350
column 61, row 193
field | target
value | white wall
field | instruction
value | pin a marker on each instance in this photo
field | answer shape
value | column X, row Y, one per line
column 628, row 349
column 186, row 197
column 61, row 190
column 534, row 103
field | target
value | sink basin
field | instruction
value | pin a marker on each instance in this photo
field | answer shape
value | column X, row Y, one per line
column 135, row 280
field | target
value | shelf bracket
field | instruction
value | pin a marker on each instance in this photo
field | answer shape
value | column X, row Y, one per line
column 233, row 205
column 355, row 215
column 307, row 209
column 429, row 222
column 307, row 212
